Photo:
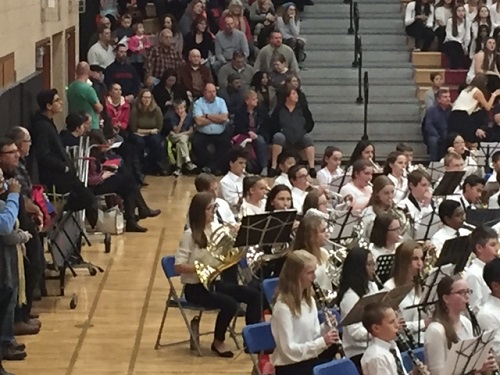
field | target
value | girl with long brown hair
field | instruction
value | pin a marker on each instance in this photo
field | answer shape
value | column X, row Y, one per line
column 456, row 42
column 381, row 201
column 485, row 61
column 300, row 344
column 395, row 169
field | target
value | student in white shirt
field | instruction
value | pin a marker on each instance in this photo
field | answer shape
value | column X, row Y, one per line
column 407, row 151
column 299, row 178
column 254, row 194
column 301, row 343
column 227, row 294
column 489, row 315
column 285, row 162
column 482, row 21
column 312, row 236
column 442, row 14
column 317, row 200
column 232, row 183
column 452, row 216
column 495, row 15
column 408, row 263
column 356, row 281
column 394, row 168
column 279, row 199
column 471, row 10
column 209, row 183
column 456, row 42
column 419, row 22
column 418, row 203
column 472, row 192
column 385, row 235
column 359, row 188
column 332, row 158
column 382, row 357
column 449, row 325
column 484, row 244
column 364, row 150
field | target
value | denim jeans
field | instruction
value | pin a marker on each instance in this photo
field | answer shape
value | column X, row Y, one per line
column 261, row 151
column 7, row 323
column 434, row 146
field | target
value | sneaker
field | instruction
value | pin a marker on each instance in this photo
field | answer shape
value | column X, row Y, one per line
column 177, row 172
column 190, row 166
column 263, row 173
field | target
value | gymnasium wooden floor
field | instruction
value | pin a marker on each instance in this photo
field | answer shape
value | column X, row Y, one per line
column 113, row 329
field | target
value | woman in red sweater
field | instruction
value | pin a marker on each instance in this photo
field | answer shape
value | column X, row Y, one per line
column 118, row 109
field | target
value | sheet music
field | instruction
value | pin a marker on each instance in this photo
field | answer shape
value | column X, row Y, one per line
column 344, row 226
column 435, row 170
column 429, row 293
column 427, row 226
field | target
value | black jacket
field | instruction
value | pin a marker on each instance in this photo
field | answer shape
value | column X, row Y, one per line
column 241, row 122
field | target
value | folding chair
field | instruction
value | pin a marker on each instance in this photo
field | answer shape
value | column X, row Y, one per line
column 269, row 287
column 342, row 366
column 258, row 338
column 173, row 299
column 407, row 363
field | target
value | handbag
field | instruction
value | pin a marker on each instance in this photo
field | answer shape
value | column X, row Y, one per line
column 110, row 221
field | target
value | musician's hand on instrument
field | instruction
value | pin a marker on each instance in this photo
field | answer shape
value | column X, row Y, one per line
column 401, row 322
column 349, row 199
column 489, row 365
column 427, row 321
column 331, row 337
column 420, row 370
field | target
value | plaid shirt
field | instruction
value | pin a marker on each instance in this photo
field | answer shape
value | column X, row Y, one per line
column 24, row 179
column 161, row 58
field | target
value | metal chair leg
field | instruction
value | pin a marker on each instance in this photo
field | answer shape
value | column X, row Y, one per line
column 160, row 331
column 191, row 333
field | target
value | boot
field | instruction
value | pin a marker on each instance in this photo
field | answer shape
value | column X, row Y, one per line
column 129, row 203
column 144, row 210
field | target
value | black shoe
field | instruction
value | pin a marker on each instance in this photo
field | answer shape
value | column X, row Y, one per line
column 4, row 371
column 135, row 228
column 206, row 170
column 148, row 213
column 144, row 184
column 11, row 354
column 226, row 354
column 18, row 346
column 312, row 172
column 272, row 172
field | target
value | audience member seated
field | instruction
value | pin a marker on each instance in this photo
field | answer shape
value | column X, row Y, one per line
column 118, row 109
column 293, row 81
column 168, row 90
column 480, row 29
column 485, row 61
column 194, row 76
column 139, row 46
column 210, row 183
column 262, row 18
column 419, row 22
column 145, row 126
column 251, row 126
column 265, row 92
column 162, row 57
column 430, row 95
column 125, row 29
column 170, row 23
column 178, row 127
column 56, row 171
column 211, row 139
column 236, row 66
column 109, row 180
column 332, row 158
column 199, row 38
column 292, row 124
column 289, row 26
column 236, row 10
column 123, row 73
column 442, row 14
column 232, row 93
column 101, row 53
column 360, row 187
column 280, row 72
column 436, row 125
column 232, row 183
column 195, row 9
column 94, row 38
column 457, row 40
column 285, row 162
column 75, row 128
column 264, row 59
column 82, row 97
column 227, row 41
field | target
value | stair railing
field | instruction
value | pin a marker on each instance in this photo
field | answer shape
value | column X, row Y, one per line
column 359, row 58
column 355, row 13
column 365, row 117
column 350, row 30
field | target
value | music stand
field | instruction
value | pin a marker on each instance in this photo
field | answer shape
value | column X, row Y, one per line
column 455, row 251
column 338, row 182
column 485, row 152
column 468, row 356
column 344, row 226
column 436, row 170
column 449, row 183
column 427, row 226
column 384, row 267
column 483, row 217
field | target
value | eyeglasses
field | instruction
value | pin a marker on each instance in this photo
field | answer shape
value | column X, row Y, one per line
column 463, row 292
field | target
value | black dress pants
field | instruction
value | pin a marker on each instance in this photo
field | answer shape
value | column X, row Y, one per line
column 215, row 158
column 423, row 35
column 225, row 298
column 306, row 367
column 5, row 297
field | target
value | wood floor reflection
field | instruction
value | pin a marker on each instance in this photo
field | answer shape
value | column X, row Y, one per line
column 113, row 329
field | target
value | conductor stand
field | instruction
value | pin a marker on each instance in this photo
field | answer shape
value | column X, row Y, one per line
column 268, row 229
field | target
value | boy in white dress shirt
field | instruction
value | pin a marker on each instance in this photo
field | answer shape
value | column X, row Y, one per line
column 471, row 193
column 232, row 183
column 208, row 182
column 452, row 216
column 495, row 160
column 489, row 315
column 484, row 244
column 382, row 357
column 285, row 162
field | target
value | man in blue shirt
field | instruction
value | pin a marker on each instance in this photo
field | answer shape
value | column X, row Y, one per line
column 436, row 124
column 211, row 118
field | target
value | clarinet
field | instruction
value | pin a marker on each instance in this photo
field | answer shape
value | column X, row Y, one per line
column 414, row 359
column 330, row 321
column 411, row 343
column 476, row 329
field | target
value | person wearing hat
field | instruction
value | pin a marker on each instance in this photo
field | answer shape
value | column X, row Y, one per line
column 233, row 93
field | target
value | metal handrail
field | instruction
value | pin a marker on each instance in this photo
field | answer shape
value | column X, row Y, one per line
column 359, row 99
column 367, row 95
column 350, row 30
column 356, row 33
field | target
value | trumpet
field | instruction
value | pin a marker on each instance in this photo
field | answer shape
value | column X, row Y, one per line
column 376, row 168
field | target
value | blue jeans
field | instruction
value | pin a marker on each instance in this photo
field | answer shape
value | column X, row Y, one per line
column 261, row 151
column 157, row 154
column 434, row 147
column 7, row 323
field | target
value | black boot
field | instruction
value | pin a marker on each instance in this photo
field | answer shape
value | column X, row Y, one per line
column 144, row 210
column 129, row 203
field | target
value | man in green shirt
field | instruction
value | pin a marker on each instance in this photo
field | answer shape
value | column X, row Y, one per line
column 82, row 97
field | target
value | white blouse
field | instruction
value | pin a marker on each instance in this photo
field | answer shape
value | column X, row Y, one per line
column 321, row 272
column 298, row 338
column 495, row 16
column 410, row 15
column 470, row 15
column 436, row 347
column 400, row 188
column 325, row 177
column 463, row 33
column 249, row 209
column 360, row 197
column 466, row 102
column 442, row 15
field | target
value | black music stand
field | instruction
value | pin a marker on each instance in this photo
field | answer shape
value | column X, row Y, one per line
column 436, row 170
column 429, row 291
column 455, row 251
column 338, row 182
column 449, row 183
column 384, row 267
column 486, row 151
column 483, row 217
column 427, row 226
column 468, row 356
column 344, row 226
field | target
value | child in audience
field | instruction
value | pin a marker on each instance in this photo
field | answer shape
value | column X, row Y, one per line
column 484, row 244
column 442, row 14
column 232, row 182
column 332, row 158
column 285, row 162
column 456, row 42
column 138, row 46
column 382, row 357
column 124, row 31
column 419, row 22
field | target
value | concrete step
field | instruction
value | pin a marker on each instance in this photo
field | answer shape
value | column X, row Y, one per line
column 325, row 59
column 343, row 41
column 349, row 94
column 366, row 25
column 386, row 112
column 342, row 11
column 348, row 74
column 351, row 131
